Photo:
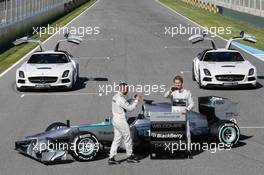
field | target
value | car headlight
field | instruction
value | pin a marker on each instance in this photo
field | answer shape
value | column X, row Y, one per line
column 207, row 72
column 21, row 74
column 65, row 73
column 251, row 71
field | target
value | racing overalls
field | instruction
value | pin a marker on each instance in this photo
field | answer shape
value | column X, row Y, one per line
column 183, row 96
column 182, row 99
column 121, row 127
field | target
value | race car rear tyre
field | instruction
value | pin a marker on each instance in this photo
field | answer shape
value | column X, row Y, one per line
column 55, row 126
column 226, row 132
column 86, row 146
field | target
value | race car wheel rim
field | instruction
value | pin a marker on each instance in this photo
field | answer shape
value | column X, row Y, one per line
column 86, row 146
column 229, row 135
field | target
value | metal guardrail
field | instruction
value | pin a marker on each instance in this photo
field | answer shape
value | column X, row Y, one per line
column 12, row 11
column 254, row 7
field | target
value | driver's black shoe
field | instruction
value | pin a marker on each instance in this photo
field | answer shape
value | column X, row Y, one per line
column 112, row 161
column 132, row 159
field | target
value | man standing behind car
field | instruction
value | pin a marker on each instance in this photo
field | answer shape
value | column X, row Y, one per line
column 182, row 102
column 121, row 128
column 180, row 95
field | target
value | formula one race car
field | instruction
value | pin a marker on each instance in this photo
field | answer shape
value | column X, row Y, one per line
column 48, row 68
column 217, row 118
column 223, row 66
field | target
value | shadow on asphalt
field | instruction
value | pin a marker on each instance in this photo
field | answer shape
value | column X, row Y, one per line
column 81, row 83
column 240, row 143
column 261, row 77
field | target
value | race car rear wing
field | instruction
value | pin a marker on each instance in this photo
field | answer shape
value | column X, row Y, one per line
column 71, row 39
column 242, row 36
column 199, row 38
column 27, row 39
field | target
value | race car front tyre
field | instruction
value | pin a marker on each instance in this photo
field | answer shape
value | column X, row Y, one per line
column 226, row 132
column 85, row 146
column 55, row 126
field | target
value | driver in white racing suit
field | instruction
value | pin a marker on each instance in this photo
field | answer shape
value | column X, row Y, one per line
column 179, row 95
column 121, row 128
column 182, row 102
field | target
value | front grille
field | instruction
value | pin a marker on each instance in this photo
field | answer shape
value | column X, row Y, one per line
column 42, row 80
column 230, row 77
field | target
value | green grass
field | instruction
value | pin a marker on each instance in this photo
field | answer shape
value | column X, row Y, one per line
column 207, row 19
column 12, row 55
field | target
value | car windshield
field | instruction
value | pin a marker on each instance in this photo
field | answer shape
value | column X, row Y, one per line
column 223, row 57
column 48, row 59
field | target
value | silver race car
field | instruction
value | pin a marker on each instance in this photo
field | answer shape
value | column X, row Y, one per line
column 217, row 118
column 48, row 68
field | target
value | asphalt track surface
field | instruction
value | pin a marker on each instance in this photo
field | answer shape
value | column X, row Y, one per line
column 132, row 36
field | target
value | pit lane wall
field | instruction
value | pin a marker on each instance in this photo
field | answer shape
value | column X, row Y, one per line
column 18, row 24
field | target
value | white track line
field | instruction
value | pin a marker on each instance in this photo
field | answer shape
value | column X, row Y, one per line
column 251, row 127
column 98, row 39
column 24, row 57
column 186, row 71
column 183, row 47
column 92, row 58
column 203, row 27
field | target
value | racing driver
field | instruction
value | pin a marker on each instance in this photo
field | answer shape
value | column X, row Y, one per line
column 179, row 96
column 121, row 128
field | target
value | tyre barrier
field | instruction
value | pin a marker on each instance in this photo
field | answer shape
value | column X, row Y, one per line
column 212, row 8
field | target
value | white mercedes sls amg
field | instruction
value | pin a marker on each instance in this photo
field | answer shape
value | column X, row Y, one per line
column 223, row 66
column 48, row 69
